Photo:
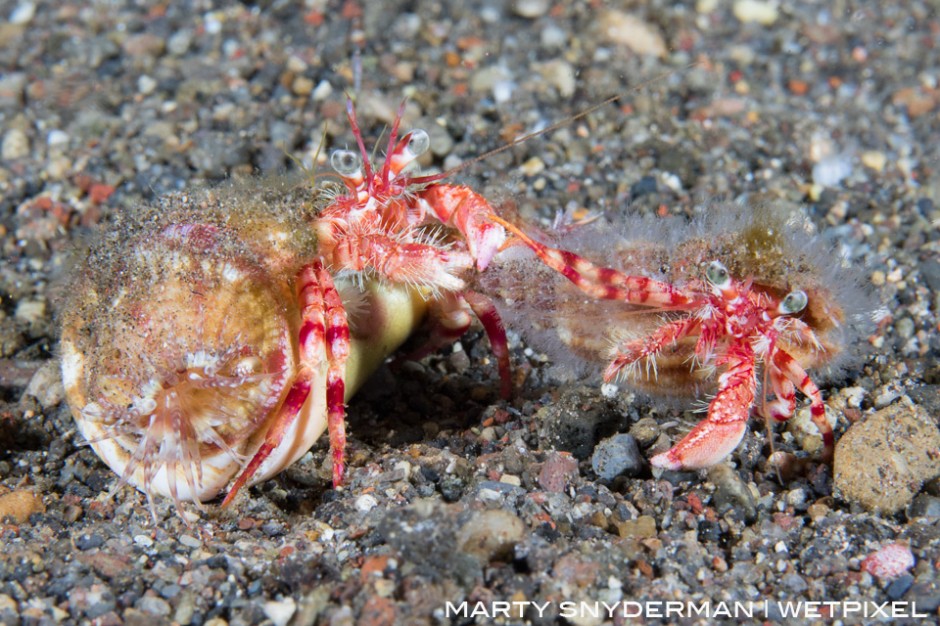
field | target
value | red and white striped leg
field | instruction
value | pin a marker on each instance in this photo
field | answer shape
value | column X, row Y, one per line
column 486, row 312
column 337, row 352
column 721, row 431
column 602, row 283
column 323, row 325
column 792, row 370
column 781, row 408
column 450, row 318
column 629, row 353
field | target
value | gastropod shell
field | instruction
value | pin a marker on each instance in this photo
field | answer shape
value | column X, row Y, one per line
column 182, row 338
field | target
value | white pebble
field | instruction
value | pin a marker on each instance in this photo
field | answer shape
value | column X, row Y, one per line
column 757, row 11
column 30, row 311
column 530, row 8
column 57, row 138
column 490, row 14
column 553, row 37
column 15, row 145
column 632, row 32
column 322, row 91
column 23, row 14
column 502, row 91
column 146, row 85
column 212, row 24
column 366, row 502
column 831, row 171
column 280, row 611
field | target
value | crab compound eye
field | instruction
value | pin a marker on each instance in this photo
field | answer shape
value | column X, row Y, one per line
column 346, row 163
column 794, row 302
column 717, row 274
column 418, row 142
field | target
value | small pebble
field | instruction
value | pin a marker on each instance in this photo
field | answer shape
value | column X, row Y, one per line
column 322, row 91
column 553, row 37
column 280, row 611
column 15, row 145
column 831, row 171
column 30, row 311
column 490, row 535
column 705, row 6
column 642, row 527
column 797, row 499
column 152, row 605
column 556, row 471
column 46, row 385
column 57, row 138
column 533, row 166
column 904, row 328
column 889, row 562
column 874, row 159
column 763, row 12
column 804, row 429
column 617, row 455
column 23, row 13
column 12, row 86
column 302, row 86
column 146, row 85
column 179, row 42
column 561, row 75
column 20, row 504
column 646, row 431
column 925, row 505
column 366, row 502
column 731, row 493
column 630, row 31
column 530, row 8
column 88, row 541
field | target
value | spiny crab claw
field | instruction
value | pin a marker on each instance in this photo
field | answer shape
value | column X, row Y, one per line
column 706, row 445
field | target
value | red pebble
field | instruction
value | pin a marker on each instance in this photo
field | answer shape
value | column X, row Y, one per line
column 889, row 562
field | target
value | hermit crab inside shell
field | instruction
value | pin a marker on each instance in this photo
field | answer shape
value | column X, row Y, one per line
column 719, row 306
column 181, row 340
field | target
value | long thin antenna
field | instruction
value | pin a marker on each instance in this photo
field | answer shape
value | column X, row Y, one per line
column 422, row 180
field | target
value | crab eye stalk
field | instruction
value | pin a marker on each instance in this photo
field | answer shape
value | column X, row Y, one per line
column 717, row 274
column 418, row 142
column 346, row 163
column 794, row 302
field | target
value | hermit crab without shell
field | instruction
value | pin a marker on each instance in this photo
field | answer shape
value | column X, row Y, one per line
column 746, row 296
